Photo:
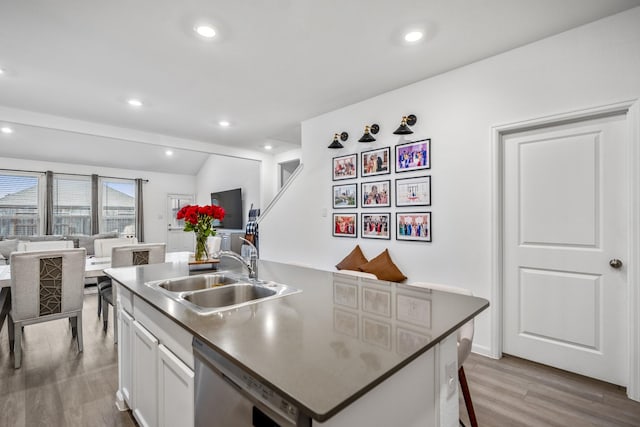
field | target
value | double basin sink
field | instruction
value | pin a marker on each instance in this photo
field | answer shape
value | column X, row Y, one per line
column 215, row 292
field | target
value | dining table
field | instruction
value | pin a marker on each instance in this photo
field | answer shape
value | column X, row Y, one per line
column 94, row 268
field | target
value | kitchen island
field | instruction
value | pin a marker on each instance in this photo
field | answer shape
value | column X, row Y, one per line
column 344, row 351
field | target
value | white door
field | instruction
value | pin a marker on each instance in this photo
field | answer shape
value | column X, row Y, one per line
column 177, row 239
column 145, row 376
column 565, row 220
column 176, row 393
column 124, row 351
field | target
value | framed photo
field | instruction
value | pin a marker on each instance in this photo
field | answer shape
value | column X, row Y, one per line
column 413, row 226
column 413, row 191
column 345, row 196
column 345, row 225
column 376, row 162
column 376, row 226
column 413, row 156
column 376, row 194
column 345, row 167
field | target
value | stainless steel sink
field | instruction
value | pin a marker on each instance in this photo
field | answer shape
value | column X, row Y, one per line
column 229, row 295
column 213, row 293
column 196, row 283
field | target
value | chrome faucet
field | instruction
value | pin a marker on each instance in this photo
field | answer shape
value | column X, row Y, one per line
column 251, row 264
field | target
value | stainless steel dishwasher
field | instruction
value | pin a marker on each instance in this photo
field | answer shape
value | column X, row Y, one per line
column 226, row 396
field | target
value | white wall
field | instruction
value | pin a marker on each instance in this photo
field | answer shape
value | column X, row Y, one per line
column 594, row 65
column 154, row 192
column 221, row 173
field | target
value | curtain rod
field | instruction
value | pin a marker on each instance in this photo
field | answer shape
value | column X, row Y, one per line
column 74, row 174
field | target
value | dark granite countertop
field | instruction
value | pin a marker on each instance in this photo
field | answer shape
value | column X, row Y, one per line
column 326, row 346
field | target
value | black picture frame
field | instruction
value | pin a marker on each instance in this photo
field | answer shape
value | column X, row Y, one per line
column 413, row 156
column 344, row 167
column 413, row 191
column 411, row 234
column 375, row 194
column 351, row 232
column 381, row 229
column 337, row 195
column 373, row 162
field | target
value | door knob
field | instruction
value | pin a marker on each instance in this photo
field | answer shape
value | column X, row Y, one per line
column 615, row 263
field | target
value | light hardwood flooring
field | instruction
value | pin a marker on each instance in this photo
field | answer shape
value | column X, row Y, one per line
column 516, row 392
column 56, row 385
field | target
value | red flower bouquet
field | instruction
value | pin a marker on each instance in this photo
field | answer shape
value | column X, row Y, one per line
column 198, row 219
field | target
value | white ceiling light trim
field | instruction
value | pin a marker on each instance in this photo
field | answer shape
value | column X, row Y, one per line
column 224, row 123
column 168, row 153
column 205, row 31
column 6, row 130
column 2, row 71
column 268, row 147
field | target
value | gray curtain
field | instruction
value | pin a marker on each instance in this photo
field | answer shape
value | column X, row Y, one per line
column 139, row 211
column 95, row 205
column 48, row 205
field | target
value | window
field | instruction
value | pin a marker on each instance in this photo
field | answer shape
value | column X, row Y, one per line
column 71, row 204
column 19, row 204
column 118, row 205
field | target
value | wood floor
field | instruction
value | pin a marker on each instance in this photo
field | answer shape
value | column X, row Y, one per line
column 516, row 392
column 56, row 386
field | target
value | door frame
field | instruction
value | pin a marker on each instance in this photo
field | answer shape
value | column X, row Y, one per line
column 631, row 109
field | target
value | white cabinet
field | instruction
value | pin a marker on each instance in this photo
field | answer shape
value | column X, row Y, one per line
column 125, row 325
column 145, row 376
column 175, row 390
column 155, row 365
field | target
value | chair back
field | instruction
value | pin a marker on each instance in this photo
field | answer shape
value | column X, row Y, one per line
column 141, row 254
column 46, row 283
column 102, row 247
column 45, row 245
column 465, row 333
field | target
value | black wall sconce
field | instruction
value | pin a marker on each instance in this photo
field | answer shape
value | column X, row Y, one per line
column 404, row 128
column 368, row 130
column 336, row 144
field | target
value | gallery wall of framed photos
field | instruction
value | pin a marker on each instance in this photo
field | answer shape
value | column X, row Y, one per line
column 367, row 185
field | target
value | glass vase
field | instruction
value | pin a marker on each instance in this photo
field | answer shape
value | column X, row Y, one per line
column 202, row 252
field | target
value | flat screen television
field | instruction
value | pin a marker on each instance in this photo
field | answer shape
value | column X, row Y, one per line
column 231, row 201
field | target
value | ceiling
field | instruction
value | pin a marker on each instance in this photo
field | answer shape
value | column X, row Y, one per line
column 271, row 65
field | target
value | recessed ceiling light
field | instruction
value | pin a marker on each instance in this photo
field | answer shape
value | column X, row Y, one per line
column 413, row 36
column 6, row 130
column 268, row 147
column 224, row 123
column 1, row 71
column 169, row 153
column 134, row 102
column 205, row 31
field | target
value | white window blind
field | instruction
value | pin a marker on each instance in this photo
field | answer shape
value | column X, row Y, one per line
column 71, row 204
column 19, row 204
column 118, row 205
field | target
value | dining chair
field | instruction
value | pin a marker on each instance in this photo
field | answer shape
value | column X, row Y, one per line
column 102, row 249
column 125, row 256
column 45, row 285
column 465, row 341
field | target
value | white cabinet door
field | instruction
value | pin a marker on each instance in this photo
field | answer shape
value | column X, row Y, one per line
column 145, row 376
column 175, row 390
column 125, row 323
